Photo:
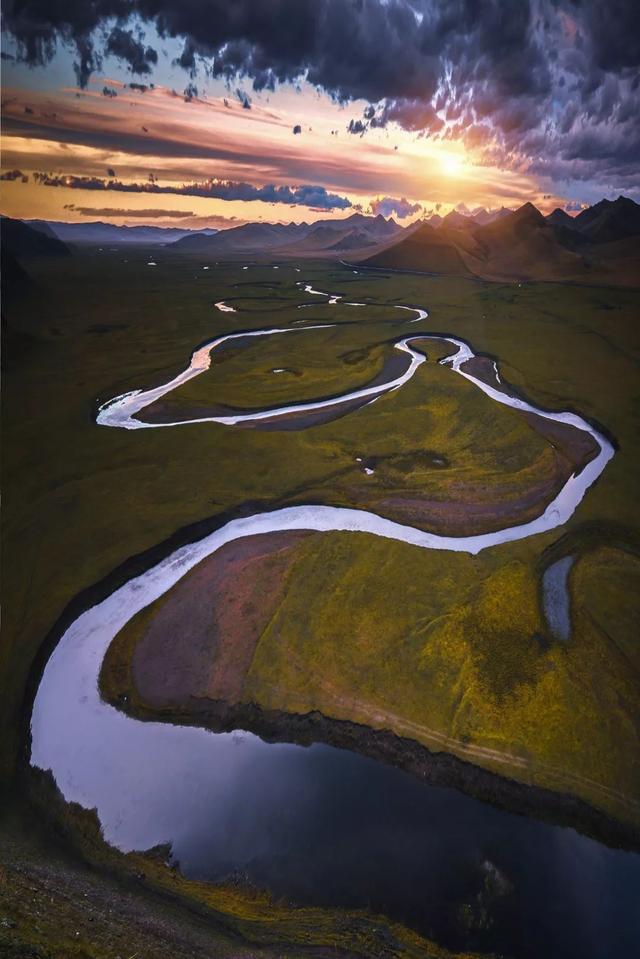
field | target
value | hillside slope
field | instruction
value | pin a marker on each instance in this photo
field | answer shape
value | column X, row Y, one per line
column 426, row 249
column 610, row 220
column 21, row 240
column 524, row 245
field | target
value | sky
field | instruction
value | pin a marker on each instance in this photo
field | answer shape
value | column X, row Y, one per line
column 212, row 113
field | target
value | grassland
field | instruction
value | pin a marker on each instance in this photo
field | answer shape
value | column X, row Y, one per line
column 450, row 650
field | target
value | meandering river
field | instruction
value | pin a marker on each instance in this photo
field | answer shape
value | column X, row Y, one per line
column 318, row 824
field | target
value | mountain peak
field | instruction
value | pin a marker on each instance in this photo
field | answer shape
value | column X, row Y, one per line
column 559, row 217
column 456, row 219
column 610, row 220
column 528, row 212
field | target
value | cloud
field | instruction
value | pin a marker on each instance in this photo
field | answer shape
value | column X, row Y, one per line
column 356, row 127
column 389, row 205
column 305, row 195
column 152, row 214
column 411, row 114
column 15, row 175
column 522, row 83
column 123, row 45
column 244, row 99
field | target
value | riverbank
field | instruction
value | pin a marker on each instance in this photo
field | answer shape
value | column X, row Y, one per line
column 64, row 892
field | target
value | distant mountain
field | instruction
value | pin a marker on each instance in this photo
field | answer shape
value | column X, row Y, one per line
column 110, row 234
column 353, row 240
column 319, row 237
column 248, row 238
column 459, row 220
column 481, row 216
column 21, row 240
column 560, row 218
column 376, row 226
column 499, row 214
column 518, row 245
column 527, row 214
column 456, row 220
column 610, row 220
column 426, row 249
column 355, row 232
column 295, row 238
column 525, row 245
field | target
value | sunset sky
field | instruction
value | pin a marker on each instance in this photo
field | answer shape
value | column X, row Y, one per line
column 215, row 112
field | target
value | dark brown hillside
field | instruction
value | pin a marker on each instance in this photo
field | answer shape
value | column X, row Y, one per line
column 559, row 218
column 520, row 245
column 425, row 250
column 610, row 220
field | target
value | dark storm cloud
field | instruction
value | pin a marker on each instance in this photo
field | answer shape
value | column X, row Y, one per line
column 123, row 45
column 306, row 195
column 409, row 114
column 535, row 74
column 614, row 33
column 352, row 49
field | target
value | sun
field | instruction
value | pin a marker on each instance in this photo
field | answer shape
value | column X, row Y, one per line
column 451, row 164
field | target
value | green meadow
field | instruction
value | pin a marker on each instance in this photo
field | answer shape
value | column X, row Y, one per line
column 448, row 649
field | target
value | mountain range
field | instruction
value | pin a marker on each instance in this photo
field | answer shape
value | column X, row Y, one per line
column 324, row 237
column 108, row 233
column 600, row 245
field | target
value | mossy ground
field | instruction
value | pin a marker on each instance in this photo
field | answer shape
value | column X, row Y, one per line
column 450, row 642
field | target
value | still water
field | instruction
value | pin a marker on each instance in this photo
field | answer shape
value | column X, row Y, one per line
column 324, row 826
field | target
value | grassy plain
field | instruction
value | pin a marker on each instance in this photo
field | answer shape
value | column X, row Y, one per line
column 421, row 642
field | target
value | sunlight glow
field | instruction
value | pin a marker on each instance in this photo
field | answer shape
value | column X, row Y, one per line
column 451, row 164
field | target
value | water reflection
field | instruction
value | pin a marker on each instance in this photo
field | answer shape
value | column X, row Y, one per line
column 324, row 826
column 556, row 598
